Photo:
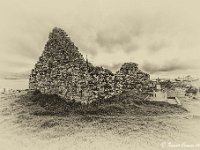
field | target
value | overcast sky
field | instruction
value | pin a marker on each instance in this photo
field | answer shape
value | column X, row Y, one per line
column 162, row 36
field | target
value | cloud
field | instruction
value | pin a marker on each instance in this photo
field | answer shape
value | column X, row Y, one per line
column 15, row 76
column 15, row 63
column 110, row 40
column 169, row 66
column 131, row 48
column 25, row 48
column 157, row 46
column 113, row 67
column 120, row 36
column 87, row 48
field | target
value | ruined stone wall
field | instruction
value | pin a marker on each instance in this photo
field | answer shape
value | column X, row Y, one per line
column 131, row 77
column 62, row 70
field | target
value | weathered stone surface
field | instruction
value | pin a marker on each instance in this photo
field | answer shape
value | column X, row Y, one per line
column 62, row 70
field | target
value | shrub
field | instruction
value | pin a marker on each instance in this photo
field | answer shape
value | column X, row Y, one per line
column 192, row 90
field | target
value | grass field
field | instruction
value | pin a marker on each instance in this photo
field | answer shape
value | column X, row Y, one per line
column 142, row 126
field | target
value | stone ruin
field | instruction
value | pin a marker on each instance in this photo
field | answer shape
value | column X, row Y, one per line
column 62, row 70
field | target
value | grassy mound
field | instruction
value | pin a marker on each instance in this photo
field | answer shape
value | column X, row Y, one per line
column 43, row 104
column 126, row 103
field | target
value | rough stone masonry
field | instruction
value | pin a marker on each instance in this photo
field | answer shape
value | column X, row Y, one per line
column 62, row 70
